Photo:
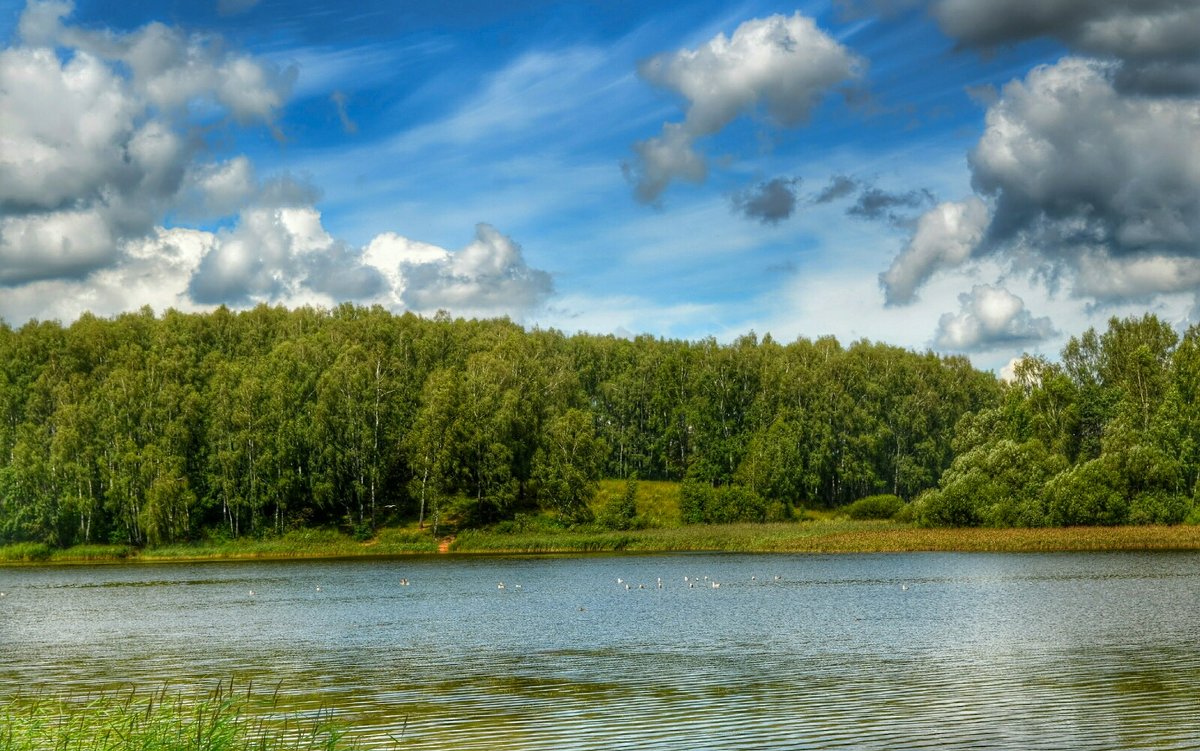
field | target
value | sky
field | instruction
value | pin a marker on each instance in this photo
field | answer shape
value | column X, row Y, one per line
column 978, row 177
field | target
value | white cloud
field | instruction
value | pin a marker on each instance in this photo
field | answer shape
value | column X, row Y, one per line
column 778, row 67
column 489, row 277
column 665, row 158
column 95, row 144
column 1103, row 277
column 945, row 237
column 1071, row 161
column 150, row 271
column 990, row 318
column 1086, row 185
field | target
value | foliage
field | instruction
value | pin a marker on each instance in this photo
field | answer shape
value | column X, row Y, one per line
column 884, row 506
column 145, row 431
column 702, row 504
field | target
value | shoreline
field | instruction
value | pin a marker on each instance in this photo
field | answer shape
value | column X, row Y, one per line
column 822, row 537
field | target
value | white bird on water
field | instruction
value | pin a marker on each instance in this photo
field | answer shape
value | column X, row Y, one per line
column 500, row 585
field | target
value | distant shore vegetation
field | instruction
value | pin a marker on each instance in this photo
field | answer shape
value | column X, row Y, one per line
column 256, row 428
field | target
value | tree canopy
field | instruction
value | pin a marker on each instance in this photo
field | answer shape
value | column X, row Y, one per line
column 145, row 429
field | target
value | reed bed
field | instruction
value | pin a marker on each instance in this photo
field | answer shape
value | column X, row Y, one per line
column 159, row 721
column 311, row 543
column 822, row 534
column 835, row 536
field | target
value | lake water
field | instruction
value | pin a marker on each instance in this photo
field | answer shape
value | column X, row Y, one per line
column 1072, row 651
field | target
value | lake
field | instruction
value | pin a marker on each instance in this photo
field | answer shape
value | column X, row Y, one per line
column 1053, row 651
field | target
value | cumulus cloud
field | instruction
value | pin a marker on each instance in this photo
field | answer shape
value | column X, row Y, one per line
column 152, row 270
column 489, row 277
column 990, row 318
column 778, row 68
column 1085, row 183
column 95, row 145
column 264, row 258
column 945, row 237
column 1156, row 41
column 770, row 202
column 1069, row 160
column 100, row 140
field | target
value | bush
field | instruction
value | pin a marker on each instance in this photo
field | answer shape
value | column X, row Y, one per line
column 702, row 504
column 1159, row 507
column 875, row 507
column 694, row 499
column 25, row 552
column 1086, row 494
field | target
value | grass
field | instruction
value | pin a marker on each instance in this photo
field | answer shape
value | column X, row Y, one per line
column 161, row 721
column 311, row 543
column 834, row 536
column 657, row 501
column 25, row 552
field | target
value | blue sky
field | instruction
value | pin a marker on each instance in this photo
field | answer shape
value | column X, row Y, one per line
column 984, row 177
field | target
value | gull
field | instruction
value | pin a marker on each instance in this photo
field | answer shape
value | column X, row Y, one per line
column 500, row 585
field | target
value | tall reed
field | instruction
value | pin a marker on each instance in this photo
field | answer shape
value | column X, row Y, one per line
column 160, row 721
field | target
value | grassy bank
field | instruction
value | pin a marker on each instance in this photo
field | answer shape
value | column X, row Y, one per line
column 161, row 721
column 313, row 543
column 834, row 536
column 816, row 536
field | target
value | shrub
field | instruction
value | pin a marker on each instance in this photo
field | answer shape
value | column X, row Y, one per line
column 875, row 507
column 694, row 498
column 702, row 504
column 1086, row 494
column 1159, row 507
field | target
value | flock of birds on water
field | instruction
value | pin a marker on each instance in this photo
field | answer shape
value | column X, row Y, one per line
column 690, row 581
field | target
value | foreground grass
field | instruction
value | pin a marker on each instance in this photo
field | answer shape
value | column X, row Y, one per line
column 159, row 721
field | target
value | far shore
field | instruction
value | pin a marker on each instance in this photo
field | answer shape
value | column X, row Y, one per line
column 814, row 537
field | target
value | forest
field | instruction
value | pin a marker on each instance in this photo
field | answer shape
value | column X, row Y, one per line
column 147, row 430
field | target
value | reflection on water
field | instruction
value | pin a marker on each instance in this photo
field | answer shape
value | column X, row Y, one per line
column 1079, row 651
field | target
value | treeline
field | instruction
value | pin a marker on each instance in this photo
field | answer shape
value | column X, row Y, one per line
column 148, row 430
column 1109, row 435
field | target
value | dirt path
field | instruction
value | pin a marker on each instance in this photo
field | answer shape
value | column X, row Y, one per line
column 444, row 544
